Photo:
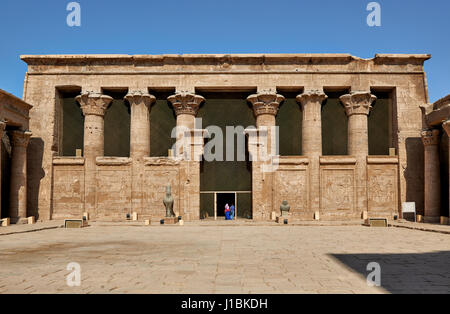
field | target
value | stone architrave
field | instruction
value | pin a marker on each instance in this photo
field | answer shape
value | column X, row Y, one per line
column 18, row 189
column 430, row 139
column 311, row 103
column 357, row 107
column 94, row 107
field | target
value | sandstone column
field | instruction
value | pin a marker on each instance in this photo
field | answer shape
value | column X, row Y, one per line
column 430, row 139
column 140, row 104
column 140, row 123
column 446, row 127
column 94, row 107
column 2, row 129
column 186, row 107
column 311, row 102
column 357, row 107
column 18, row 192
column 265, row 108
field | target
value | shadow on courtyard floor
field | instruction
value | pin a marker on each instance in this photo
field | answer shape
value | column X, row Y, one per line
column 405, row 273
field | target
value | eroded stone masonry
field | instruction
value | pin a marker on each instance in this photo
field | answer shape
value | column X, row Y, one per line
column 352, row 136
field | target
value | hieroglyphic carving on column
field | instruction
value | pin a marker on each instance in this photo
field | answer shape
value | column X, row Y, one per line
column 20, row 139
column 430, row 137
column 265, row 102
column 138, row 97
column 186, row 103
column 311, row 96
column 357, row 102
column 93, row 103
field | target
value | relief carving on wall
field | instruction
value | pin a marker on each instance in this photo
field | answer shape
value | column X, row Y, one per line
column 337, row 189
column 381, row 188
column 291, row 185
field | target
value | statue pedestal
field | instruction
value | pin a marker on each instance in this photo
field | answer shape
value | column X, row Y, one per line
column 170, row 220
column 280, row 219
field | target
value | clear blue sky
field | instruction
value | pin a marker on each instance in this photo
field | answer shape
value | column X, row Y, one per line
column 227, row 26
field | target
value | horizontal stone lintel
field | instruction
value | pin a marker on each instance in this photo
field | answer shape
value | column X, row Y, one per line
column 291, row 160
column 68, row 160
column 337, row 160
column 162, row 161
column 112, row 161
column 382, row 159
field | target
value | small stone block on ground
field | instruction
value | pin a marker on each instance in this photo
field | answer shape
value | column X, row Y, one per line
column 5, row 222
column 147, row 222
column 135, row 216
column 377, row 222
column 31, row 220
column 75, row 223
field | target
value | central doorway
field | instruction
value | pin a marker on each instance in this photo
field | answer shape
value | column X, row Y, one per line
column 221, row 200
column 228, row 177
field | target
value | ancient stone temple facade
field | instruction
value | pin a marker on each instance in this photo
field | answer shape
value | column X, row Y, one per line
column 348, row 138
column 14, row 139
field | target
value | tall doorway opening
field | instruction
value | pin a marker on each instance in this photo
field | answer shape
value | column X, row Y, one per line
column 226, row 179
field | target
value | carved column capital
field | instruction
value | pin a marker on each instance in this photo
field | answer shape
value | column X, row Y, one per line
column 138, row 97
column 446, row 127
column 430, row 137
column 358, row 102
column 93, row 103
column 311, row 96
column 186, row 103
column 265, row 102
column 20, row 138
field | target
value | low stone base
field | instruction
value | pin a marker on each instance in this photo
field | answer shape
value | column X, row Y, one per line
column 431, row 219
column 19, row 221
column 170, row 220
column 281, row 219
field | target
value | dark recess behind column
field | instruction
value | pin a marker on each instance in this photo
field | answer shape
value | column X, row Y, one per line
column 334, row 125
column 289, row 121
column 73, row 123
column 117, row 125
column 162, row 121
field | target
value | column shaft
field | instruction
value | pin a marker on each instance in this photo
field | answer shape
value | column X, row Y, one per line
column 357, row 106
column 18, row 189
column 94, row 107
column 186, row 107
column 446, row 127
column 265, row 108
column 430, row 139
column 311, row 102
column 140, row 103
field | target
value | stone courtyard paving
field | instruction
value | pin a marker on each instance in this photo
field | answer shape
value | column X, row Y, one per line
column 208, row 258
